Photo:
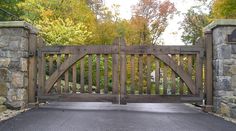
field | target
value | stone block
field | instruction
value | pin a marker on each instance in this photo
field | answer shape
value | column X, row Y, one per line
column 226, row 70
column 233, row 81
column 4, row 41
column 23, row 64
column 233, row 69
column 225, row 109
column 11, row 95
column 233, row 113
column 24, row 44
column 15, row 32
column 2, row 100
column 5, row 75
column 18, row 79
column 223, row 52
column 3, row 89
column 21, row 94
column 3, row 108
column 233, row 49
column 219, row 93
column 223, row 83
column 234, row 91
column 16, row 104
column 216, row 104
column 4, row 62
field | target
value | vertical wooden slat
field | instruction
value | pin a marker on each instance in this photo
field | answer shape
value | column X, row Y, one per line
column 190, row 69
column 59, row 80
column 198, row 74
column 115, row 75
column 148, row 74
column 74, row 73
column 122, row 73
column 50, row 64
column 132, row 74
column 42, row 74
column 181, row 84
column 98, row 74
column 140, row 74
column 105, row 74
column 173, row 77
column 32, row 68
column 165, row 85
column 157, row 77
column 209, row 72
column 190, row 65
column 66, row 77
column 90, row 77
column 82, row 76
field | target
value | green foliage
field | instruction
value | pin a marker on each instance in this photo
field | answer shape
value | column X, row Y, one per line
column 60, row 22
column 194, row 21
column 224, row 9
column 12, row 11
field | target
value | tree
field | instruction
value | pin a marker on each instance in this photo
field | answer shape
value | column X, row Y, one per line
column 154, row 16
column 224, row 9
column 9, row 10
column 61, row 22
column 194, row 21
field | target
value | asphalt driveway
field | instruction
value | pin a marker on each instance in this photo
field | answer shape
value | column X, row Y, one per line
column 108, row 117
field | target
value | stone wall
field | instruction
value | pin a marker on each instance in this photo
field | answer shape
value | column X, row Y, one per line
column 14, row 53
column 224, row 67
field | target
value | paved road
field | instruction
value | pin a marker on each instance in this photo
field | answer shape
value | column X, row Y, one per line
column 108, row 117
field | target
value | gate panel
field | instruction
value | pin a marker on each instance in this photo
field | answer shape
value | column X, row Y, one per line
column 163, row 73
column 143, row 73
column 67, row 73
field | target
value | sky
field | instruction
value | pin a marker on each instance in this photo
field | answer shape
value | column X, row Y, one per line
column 172, row 34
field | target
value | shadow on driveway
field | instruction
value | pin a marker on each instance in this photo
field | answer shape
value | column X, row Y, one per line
column 109, row 117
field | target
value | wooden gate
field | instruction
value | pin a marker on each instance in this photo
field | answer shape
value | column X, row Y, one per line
column 137, row 73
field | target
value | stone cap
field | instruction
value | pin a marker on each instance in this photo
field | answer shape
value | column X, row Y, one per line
column 220, row 22
column 19, row 24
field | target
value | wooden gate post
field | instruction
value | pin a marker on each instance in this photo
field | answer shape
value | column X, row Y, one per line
column 209, row 73
column 32, row 68
column 115, row 75
column 122, row 72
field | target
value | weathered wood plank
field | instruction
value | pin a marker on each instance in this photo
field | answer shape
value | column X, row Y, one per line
column 74, row 77
column 64, row 66
column 90, row 77
column 105, row 74
column 42, row 75
column 173, row 79
column 82, row 76
column 199, row 75
column 209, row 72
column 140, row 83
column 157, row 77
column 80, row 98
column 115, row 75
column 113, row 49
column 178, row 70
column 148, row 74
column 165, row 84
column 181, row 83
column 163, row 99
column 123, row 74
column 98, row 74
column 59, row 80
column 132, row 74
column 161, row 50
column 32, row 68
column 50, row 64
column 66, row 89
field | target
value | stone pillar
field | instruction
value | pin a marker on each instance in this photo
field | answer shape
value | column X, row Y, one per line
column 224, row 67
column 14, row 55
